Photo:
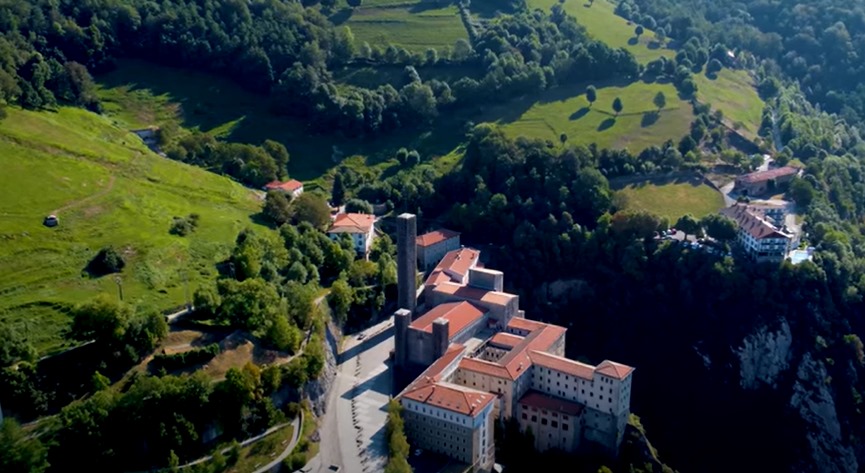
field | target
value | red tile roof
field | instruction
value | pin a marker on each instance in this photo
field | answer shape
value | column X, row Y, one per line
column 522, row 323
column 517, row 360
column 454, row 266
column 542, row 401
column 287, row 186
column 474, row 293
column 458, row 314
column 507, row 340
column 614, row 370
column 433, row 374
column 564, row 365
column 436, row 236
column 766, row 175
column 352, row 223
column 750, row 221
column 485, row 367
column 452, row 397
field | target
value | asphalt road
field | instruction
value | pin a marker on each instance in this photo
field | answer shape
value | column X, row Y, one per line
column 352, row 433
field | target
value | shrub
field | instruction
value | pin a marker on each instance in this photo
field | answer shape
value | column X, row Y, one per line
column 181, row 226
column 107, row 261
column 188, row 358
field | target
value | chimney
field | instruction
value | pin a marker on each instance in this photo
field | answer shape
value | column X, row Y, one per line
column 406, row 261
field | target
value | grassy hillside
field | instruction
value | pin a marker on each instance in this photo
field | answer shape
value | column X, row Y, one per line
column 107, row 189
column 733, row 92
column 673, row 198
column 138, row 94
column 604, row 25
column 415, row 26
column 637, row 127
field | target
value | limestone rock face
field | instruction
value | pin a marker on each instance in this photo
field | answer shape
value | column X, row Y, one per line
column 812, row 399
column 764, row 356
column 317, row 390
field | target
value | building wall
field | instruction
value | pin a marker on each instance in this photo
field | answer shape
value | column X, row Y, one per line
column 551, row 429
column 419, row 345
column 429, row 256
column 509, row 390
column 362, row 242
column 468, row 439
column 608, row 401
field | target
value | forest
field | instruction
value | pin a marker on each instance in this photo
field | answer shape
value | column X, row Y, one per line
column 544, row 212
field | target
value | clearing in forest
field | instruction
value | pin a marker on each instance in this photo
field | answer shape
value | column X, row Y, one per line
column 672, row 198
column 115, row 192
column 416, row 26
column 638, row 126
column 733, row 92
column 139, row 93
column 603, row 24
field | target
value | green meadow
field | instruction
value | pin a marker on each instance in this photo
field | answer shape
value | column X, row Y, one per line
column 638, row 126
column 107, row 189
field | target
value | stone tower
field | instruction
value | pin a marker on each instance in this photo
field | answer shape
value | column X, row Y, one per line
column 402, row 319
column 406, row 261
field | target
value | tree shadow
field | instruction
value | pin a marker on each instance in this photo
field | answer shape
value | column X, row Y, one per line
column 654, row 44
column 648, row 78
column 341, row 16
column 607, row 124
column 580, row 113
column 633, row 41
column 711, row 75
column 421, row 7
column 650, row 118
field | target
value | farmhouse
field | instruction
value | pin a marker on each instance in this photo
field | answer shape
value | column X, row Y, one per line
column 758, row 183
column 480, row 360
column 432, row 246
column 761, row 232
column 291, row 187
column 360, row 226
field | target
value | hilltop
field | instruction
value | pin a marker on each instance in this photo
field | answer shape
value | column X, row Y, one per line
column 107, row 189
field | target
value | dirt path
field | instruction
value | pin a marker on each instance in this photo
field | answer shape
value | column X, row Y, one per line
column 78, row 202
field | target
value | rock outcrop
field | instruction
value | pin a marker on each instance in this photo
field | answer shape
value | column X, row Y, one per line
column 764, row 356
column 316, row 391
column 812, row 399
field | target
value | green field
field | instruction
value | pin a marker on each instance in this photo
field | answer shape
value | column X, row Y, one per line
column 733, row 92
column 673, row 199
column 107, row 188
column 566, row 110
column 139, row 94
column 415, row 26
column 604, row 25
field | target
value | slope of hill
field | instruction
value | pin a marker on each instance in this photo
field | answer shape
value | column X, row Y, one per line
column 106, row 188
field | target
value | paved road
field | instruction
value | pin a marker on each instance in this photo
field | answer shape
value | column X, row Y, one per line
column 352, row 433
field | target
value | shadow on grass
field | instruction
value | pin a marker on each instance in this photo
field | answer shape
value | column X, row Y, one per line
column 711, row 75
column 633, row 41
column 654, row 45
column 580, row 113
column 341, row 16
column 650, row 118
column 607, row 124
column 638, row 182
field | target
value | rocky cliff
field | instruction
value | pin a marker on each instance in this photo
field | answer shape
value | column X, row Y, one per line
column 316, row 391
column 812, row 399
column 764, row 356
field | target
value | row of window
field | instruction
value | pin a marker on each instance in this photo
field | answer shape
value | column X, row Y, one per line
column 554, row 424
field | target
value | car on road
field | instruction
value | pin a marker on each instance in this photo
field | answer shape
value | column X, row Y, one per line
column 334, row 468
column 361, row 336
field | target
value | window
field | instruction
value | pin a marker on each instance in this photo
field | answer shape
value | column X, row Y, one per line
column 554, row 424
column 543, row 421
column 534, row 418
column 564, row 426
column 525, row 416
